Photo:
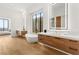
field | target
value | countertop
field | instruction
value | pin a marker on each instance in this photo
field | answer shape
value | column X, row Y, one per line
column 62, row 35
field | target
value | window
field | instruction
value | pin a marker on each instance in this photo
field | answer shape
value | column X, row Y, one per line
column 37, row 20
column 4, row 24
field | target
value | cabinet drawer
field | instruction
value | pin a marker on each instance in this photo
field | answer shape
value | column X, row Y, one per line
column 72, row 50
column 42, row 40
column 49, row 40
column 41, row 37
column 74, row 46
column 73, row 42
column 59, row 43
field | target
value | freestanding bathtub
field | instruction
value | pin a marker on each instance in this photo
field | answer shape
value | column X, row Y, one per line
column 31, row 38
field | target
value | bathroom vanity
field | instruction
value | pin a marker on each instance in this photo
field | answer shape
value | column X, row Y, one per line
column 67, row 43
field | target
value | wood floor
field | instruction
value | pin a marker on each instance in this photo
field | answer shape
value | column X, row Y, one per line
column 19, row 46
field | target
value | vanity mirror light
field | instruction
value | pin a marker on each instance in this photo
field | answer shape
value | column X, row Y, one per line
column 59, row 16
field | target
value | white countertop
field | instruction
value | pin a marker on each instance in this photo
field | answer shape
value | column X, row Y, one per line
column 62, row 35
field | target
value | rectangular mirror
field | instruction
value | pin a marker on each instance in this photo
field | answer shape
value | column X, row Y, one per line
column 59, row 19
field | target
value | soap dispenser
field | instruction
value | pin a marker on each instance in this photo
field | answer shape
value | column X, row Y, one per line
column 45, row 31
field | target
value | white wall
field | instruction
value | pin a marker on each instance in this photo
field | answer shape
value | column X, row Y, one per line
column 34, row 8
column 15, row 17
column 48, row 13
column 18, row 19
column 74, row 17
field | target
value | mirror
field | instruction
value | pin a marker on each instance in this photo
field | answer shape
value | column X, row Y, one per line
column 59, row 18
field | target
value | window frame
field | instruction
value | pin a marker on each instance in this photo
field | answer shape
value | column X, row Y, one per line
column 5, row 29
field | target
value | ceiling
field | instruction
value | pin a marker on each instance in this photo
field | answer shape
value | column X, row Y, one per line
column 24, row 6
column 15, row 6
column 18, row 6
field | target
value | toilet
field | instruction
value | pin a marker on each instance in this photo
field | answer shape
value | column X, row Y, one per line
column 31, row 38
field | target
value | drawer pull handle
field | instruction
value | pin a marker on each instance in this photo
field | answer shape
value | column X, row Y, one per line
column 73, row 49
column 73, row 41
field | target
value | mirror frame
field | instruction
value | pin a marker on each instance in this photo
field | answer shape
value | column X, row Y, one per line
column 66, row 19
